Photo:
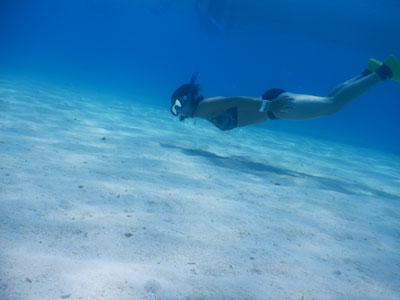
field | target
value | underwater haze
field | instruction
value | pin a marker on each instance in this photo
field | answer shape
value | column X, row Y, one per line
column 148, row 48
column 105, row 195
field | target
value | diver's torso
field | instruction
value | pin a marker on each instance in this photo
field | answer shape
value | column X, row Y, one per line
column 226, row 114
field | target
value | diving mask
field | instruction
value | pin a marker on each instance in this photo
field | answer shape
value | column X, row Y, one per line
column 181, row 106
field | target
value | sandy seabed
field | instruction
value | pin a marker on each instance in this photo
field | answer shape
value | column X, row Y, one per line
column 105, row 199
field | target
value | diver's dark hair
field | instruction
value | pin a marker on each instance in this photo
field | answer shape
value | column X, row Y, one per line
column 185, row 90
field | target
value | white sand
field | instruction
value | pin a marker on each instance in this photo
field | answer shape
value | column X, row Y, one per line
column 168, row 210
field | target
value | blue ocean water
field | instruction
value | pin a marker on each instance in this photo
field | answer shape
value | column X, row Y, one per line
column 148, row 48
column 105, row 195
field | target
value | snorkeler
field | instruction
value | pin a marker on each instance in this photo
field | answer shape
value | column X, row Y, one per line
column 230, row 112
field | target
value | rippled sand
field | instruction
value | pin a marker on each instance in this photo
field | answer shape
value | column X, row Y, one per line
column 112, row 199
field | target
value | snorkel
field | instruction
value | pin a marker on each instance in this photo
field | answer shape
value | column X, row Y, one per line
column 185, row 99
column 192, row 81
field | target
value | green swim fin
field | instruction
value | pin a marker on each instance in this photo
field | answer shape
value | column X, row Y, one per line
column 394, row 65
column 374, row 64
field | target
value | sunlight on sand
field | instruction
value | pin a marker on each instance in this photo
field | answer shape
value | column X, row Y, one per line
column 125, row 202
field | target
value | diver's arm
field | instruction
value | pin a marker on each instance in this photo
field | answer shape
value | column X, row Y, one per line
column 214, row 106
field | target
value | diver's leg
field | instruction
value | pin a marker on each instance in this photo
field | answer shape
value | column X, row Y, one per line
column 304, row 107
column 355, row 88
column 351, row 90
column 373, row 65
column 344, row 84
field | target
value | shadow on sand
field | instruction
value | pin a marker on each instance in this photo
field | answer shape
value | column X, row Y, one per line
column 246, row 165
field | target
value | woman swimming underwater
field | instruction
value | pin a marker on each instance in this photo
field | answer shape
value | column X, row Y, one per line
column 230, row 112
